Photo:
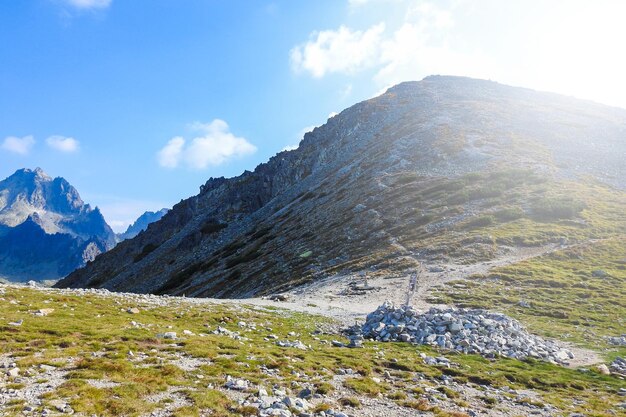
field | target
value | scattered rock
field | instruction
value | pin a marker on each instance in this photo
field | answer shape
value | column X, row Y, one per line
column 237, row 384
column 133, row 310
column 618, row 340
column 305, row 393
column 44, row 312
column 618, row 367
column 295, row 344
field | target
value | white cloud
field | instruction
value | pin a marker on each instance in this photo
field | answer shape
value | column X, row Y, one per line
column 419, row 46
column 290, row 148
column 332, row 114
column 343, row 51
column 89, row 4
column 306, row 130
column 483, row 39
column 17, row 145
column 172, row 153
column 359, row 3
column 215, row 146
column 62, row 143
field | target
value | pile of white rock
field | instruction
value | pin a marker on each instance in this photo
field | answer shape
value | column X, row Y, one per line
column 468, row 331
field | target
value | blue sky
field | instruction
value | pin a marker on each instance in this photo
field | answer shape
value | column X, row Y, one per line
column 138, row 102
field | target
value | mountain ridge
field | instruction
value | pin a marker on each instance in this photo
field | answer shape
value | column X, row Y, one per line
column 265, row 230
column 142, row 223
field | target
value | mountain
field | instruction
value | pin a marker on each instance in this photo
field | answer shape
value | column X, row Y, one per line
column 445, row 169
column 142, row 223
column 46, row 230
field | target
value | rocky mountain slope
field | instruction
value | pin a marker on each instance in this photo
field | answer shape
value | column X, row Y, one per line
column 447, row 168
column 46, row 230
column 142, row 223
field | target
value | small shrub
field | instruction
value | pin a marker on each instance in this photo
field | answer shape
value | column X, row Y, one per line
column 450, row 393
column 420, row 405
column 322, row 407
column 480, row 221
column 147, row 250
column 557, row 208
column 509, row 214
column 323, row 388
column 350, row 402
column 398, row 395
column 490, row 400
column 212, row 226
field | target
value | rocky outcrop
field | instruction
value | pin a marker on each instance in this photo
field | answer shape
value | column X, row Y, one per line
column 369, row 186
column 46, row 230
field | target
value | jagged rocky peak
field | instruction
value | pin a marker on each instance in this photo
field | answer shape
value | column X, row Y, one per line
column 48, row 231
column 142, row 223
column 28, row 190
column 382, row 179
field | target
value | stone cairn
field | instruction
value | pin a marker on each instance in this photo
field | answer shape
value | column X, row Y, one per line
column 467, row 331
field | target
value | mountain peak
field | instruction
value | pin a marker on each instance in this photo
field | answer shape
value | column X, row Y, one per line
column 142, row 223
column 383, row 177
column 32, row 197
column 32, row 173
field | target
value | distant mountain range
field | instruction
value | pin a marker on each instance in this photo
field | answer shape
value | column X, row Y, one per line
column 142, row 223
column 47, row 231
column 447, row 169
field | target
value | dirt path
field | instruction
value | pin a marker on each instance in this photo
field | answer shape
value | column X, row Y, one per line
column 335, row 296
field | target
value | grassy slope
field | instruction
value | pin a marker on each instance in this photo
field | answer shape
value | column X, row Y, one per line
column 81, row 325
column 567, row 300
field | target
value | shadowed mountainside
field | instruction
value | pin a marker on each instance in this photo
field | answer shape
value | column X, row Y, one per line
column 444, row 168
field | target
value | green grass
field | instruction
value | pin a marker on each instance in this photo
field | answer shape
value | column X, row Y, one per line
column 83, row 325
column 566, row 300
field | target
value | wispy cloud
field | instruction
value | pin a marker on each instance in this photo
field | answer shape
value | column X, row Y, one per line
column 215, row 146
column 62, row 144
column 343, row 50
column 88, row 4
column 172, row 153
column 18, row 145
